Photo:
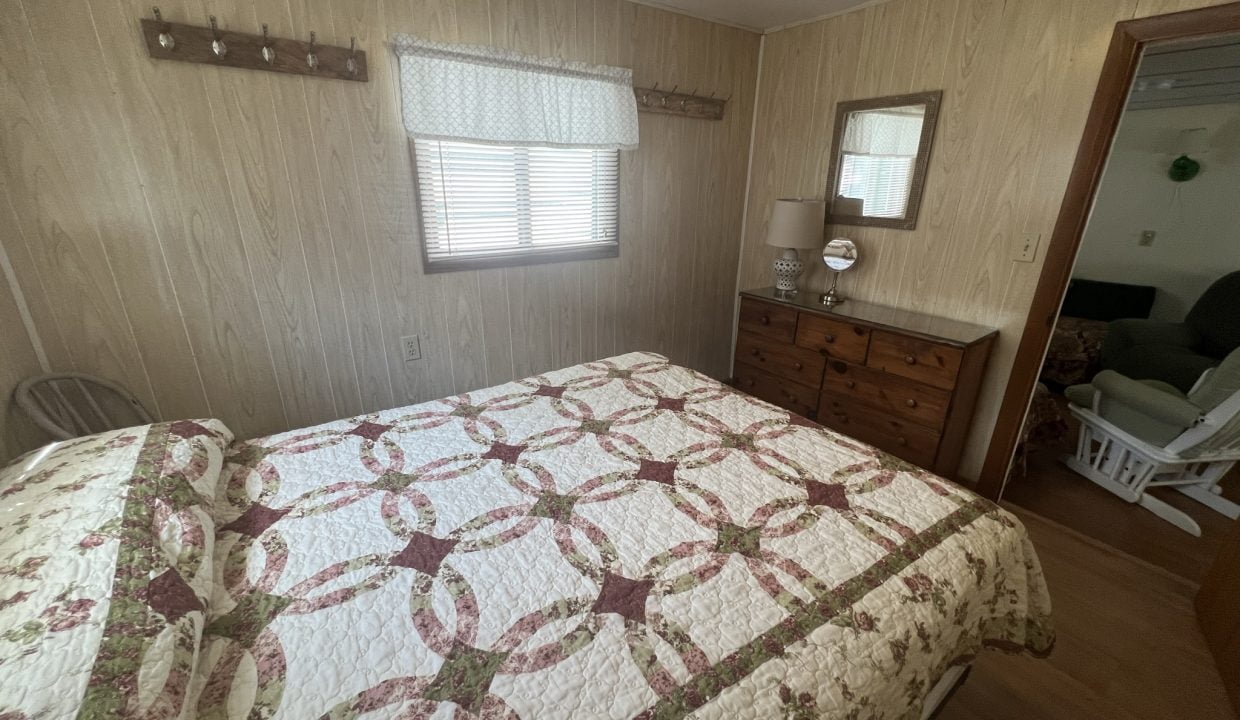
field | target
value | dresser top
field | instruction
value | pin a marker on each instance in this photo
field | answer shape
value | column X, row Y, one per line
column 930, row 327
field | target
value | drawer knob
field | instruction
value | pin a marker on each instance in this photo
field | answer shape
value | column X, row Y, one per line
column 902, row 440
column 911, row 403
column 829, row 338
column 798, row 366
column 850, row 384
column 756, row 352
column 765, row 320
column 910, row 359
column 749, row 382
column 792, row 398
column 812, row 414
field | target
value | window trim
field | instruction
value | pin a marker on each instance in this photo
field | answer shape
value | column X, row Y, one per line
column 523, row 258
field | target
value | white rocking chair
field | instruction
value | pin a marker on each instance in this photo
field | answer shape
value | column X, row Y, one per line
column 1138, row 435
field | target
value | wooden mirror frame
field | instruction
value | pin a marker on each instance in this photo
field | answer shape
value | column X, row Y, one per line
column 932, row 100
column 1118, row 71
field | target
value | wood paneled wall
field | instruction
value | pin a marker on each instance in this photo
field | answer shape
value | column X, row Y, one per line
column 18, row 359
column 243, row 245
column 1018, row 78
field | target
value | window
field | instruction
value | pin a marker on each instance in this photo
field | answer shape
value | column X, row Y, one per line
column 882, row 182
column 493, row 206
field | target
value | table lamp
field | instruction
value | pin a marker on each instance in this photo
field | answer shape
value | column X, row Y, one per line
column 795, row 224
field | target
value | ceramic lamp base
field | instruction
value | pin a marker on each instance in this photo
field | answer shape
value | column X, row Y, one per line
column 788, row 267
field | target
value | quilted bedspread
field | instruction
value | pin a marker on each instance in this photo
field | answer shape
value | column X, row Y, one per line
column 105, row 566
column 624, row 538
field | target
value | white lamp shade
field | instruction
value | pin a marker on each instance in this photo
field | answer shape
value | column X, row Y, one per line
column 797, row 224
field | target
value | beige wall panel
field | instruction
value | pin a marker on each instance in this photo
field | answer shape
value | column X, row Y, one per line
column 57, row 251
column 249, row 241
column 176, row 146
column 105, row 177
column 260, row 186
column 18, row 361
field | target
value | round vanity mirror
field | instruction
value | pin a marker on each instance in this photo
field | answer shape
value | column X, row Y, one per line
column 838, row 255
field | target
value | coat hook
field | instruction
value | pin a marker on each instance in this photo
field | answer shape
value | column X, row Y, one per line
column 166, row 41
column 217, row 45
column 312, row 58
column 350, row 63
column 684, row 100
column 655, row 88
column 268, row 51
column 712, row 95
column 663, row 102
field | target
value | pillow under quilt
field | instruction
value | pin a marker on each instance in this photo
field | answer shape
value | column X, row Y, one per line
column 105, row 566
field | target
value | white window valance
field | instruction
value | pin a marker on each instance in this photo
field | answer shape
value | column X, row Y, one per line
column 498, row 97
column 876, row 132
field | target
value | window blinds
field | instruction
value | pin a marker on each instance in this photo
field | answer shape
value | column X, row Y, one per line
column 491, row 201
column 882, row 182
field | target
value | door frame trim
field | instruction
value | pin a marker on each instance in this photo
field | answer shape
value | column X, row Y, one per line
column 1127, row 43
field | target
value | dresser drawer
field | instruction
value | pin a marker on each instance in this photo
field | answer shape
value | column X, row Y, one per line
column 892, row 394
column 772, row 321
column 915, row 359
column 912, row 442
column 838, row 339
column 789, row 395
column 783, row 359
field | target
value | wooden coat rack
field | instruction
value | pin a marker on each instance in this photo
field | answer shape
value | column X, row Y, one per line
column 212, row 46
column 691, row 105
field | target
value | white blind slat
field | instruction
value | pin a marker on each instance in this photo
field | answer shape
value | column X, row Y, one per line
column 483, row 200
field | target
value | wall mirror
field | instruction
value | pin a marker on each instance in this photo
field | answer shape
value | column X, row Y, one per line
column 879, row 156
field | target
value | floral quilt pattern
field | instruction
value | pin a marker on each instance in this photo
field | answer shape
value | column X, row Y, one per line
column 624, row 538
column 105, row 565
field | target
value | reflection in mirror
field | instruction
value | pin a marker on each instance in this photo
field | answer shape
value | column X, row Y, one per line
column 878, row 151
column 840, row 254
column 879, row 159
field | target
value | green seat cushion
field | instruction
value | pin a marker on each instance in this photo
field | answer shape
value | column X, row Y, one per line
column 1222, row 383
column 1080, row 395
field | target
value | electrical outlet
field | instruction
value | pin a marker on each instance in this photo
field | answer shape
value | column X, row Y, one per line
column 1147, row 238
column 1026, row 247
column 411, row 347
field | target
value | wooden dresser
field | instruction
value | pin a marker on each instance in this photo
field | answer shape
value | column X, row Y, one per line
column 899, row 380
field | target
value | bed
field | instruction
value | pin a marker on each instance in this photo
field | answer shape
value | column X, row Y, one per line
column 623, row 538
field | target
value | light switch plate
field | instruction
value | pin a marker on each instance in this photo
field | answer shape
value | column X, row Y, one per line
column 411, row 347
column 1026, row 249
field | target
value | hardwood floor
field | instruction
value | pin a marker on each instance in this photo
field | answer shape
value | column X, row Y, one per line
column 1128, row 645
column 1053, row 491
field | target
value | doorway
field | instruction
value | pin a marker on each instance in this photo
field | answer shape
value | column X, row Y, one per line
column 1162, row 131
